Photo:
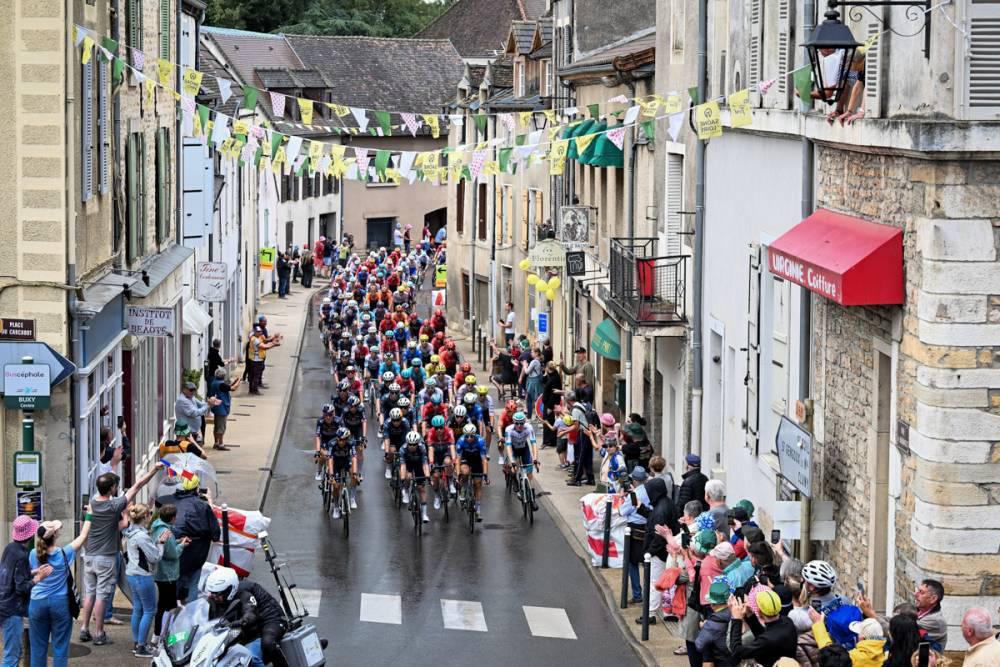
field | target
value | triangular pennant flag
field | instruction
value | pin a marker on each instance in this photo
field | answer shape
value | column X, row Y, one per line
column 361, row 117
column 649, row 129
column 583, row 142
column 88, row 50
column 150, row 87
column 550, row 116
column 675, row 123
column 276, row 139
column 707, row 120
column 524, row 117
column 384, row 122
column 117, row 69
column 381, row 163
column 672, row 103
column 594, row 110
column 220, row 131
column 764, row 86
column 802, row 78
column 191, row 82
column 508, row 122
column 279, row 160
column 739, row 108
column 225, row 89
column 79, row 32
column 694, row 95
column 456, row 119
column 187, row 104
column 138, row 59
column 278, row 105
column 504, row 158
column 164, row 72
column 106, row 55
column 110, row 45
column 557, row 157
column 406, row 161
column 481, row 124
column 315, row 154
column 361, row 154
column 617, row 137
column 433, row 123
column 618, row 99
column 203, row 118
column 410, row 120
column 632, row 114
column 476, row 166
column 249, row 98
column 306, row 110
column 292, row 150
column 571, row 111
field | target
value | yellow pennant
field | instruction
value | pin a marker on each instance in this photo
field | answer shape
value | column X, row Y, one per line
column 869, row 43
column 150, row 87
column 524, row 117
column 481, row 146
column 315, row 154
column 433, row 122
column 338, row 168
column 707, row 120
column 583, row 142
column 226, row 146
column 241, row 127
column 650, row 107
column 550, row 115
column 432, row 159
column 209, row 126
column 337, row 151
column 165, row 70
column 557, row 157
column 192, row 81
column 306, row 110
column 491, row 168
column 338, row 109
column 279, row 160
column 672, row 104
column 196, row 126
column 392, row 176
column 739, row 108
column 88, row 50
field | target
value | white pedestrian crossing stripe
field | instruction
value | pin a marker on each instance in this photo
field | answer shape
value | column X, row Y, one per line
column 549, row 622
column 310, row 599
column 381, row 608
column 463, row 615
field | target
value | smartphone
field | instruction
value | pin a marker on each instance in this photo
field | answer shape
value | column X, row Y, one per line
column 775, row 536
column 924, row 654
column 861, row 587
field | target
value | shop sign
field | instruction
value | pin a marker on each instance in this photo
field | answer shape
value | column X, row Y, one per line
column 547, row 253
column 14, row 328
column 211, row 284
column 146, row 321
column 801, row 273
column 543, row 324
column 794, row 445
column 576, row 263
column 267, row 257
column 26, row 386
column 29, row 503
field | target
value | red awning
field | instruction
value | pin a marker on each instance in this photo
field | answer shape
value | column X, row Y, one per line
column 848, row 260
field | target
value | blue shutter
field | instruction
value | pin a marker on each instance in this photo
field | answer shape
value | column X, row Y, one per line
column 103, row 118
column 87, row 132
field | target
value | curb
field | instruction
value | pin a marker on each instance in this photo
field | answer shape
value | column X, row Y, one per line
column 265, row 484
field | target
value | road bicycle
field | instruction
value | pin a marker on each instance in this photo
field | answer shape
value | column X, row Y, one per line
column 371, row 395
column 414, row 506
column 326, row 481
column 344, row 501
column 467, row 498
column 395, row 484
column 510, row 478
column 442, row 492
column 525, row 492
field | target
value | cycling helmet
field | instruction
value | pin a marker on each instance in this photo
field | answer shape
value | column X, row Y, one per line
column 520, row 418
column 466, row 367
column 470, row 379
column 436, row 398
column 366, row 317
column 417, row 362
column 470, row 429
column 435, row 359
column 327, row 299
column 388, row 376
column 482, row 389
column 395, row 414
column 346, row 334
column 345, row 353
column 344, row 385
column 400, row 325
column 437, row 421
column 222, row 582
column 460, row 411
column 412, row 344
column 511, row 405
column 372, row 329
column 412, row 437
column 403, row 402
column 424, row 338
column 820, row 574
column 431, row 383
column 470, row 397
column 394, row 387
column 327, row 409
column 343, row 432
column 407, row 373
column 350, row 369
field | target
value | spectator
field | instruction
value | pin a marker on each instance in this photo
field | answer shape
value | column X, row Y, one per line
column 635, row 508
column 658, row 466
column 977, row 630
column 869, row 650
column 693, row 483
column 168, row 569
column 545, row 344
column 188, row 409
column 835, row 655
column 407, row 238
column 183, row 442
column 638, row 449
column 582, row 365
column 576, row 433
column 931, row 620
column 531, row 374
column 49, row 617
column 584, row 390
column 221, row 389
column 259, row 345
column 143, row 556
column 551, row 395
column 904, row 635
column 713, row 638
column 16, row 581
column 308, row 269
column 662, row 514
column 319, row 251
column 774, row 635
column 715, row 496
column 102, row 544
column 806, row 651
column 284, row 270
column 213, row 363
column 195, row 521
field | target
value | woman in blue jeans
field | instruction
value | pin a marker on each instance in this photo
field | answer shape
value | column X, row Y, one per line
column 48, row 611
column 143, row 554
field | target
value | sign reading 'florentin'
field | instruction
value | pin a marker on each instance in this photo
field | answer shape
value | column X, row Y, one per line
column 547, row 253
column 144, row 321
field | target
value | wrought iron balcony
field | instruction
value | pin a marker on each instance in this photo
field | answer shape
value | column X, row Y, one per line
column 646, row 289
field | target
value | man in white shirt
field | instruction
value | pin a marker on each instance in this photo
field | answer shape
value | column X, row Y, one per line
column 508, row 324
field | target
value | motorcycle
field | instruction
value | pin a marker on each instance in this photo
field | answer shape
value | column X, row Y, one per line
column 191, row 638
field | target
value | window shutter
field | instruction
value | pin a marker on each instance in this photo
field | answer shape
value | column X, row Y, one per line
column 752, row 379
column 103, row 119
column 134, row 24
column 87, row 132
column 756, row 40
column 982, row 74
column 132, row 195
column 499, row 231
column 165, row 29
column 460, row 207
column 142, row 193
column 510, row 215
column 539, row 211
column 674, row 203
column 786, row 54
column 162, row 184
column 873, row 62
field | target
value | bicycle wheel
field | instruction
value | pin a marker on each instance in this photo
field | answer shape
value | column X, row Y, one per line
column 524, row 497
column 345, row 511
column 445, row 499
column 327, row 492
column 530, row 504
column 470, row 494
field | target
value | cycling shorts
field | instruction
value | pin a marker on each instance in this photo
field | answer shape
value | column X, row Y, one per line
column 341, row 464
column 523, row 455
column 474, row 460
column 441, row 453
column 415, row 468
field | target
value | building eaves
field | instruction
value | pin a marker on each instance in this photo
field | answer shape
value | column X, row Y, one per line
column 638, row 50
column 477, row 28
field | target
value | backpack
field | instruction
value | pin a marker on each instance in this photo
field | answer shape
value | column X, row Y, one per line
column 838, row 623
column 593, row 419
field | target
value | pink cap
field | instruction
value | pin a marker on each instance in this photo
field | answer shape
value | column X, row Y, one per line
column 24, row 527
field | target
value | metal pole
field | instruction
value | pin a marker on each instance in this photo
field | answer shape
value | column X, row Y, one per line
column 225, row 536
column 647, row 564
column 27, row 421
column 607, row 533
column 623, row 602
column 699, row 238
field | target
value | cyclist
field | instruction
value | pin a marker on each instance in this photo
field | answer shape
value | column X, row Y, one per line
column 425, row 348
column 413, row 463
column 418, row 376
column 388, row 365
column 471, row 453
column 342, row 464
column 472, row 410
column 505, row 419
column 521, row 446
column 354, row 384
column 485, row 405
column 459, row 420
column 326, row 432
column 469, row 384
column 406, row 406
column 389, row 401
column 463, row 370
column 405, row 382
column 356, row 422
column 441, row 447
column 393, row 434
column 341, row 398
column 434, row 407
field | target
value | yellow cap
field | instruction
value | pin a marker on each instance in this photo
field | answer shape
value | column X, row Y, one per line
column 568, row 420
column 769, row 603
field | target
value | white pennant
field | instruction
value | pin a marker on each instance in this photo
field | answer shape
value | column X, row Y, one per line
column 456, row 120
column 292, row 149
column 81, row 32
column 676, row 122
column 406, row 162
column 362, row 117
column 632, row 114
column 225, row 89
column 220, row 131
column 571, row 111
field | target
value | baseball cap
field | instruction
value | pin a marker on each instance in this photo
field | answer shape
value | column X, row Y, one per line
column 868, row 628
column 639, row 474
column 48, row 528
column 693, row 460
column 747, row 506
column 190, row 385
column 705, row 541
column 718, row 592
column 580, row 350
column 769, row 603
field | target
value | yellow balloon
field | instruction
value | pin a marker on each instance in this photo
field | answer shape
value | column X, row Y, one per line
column 533, row 279
column 550, row 293
column 554, row 283
column 524, row 264
column 541, row 285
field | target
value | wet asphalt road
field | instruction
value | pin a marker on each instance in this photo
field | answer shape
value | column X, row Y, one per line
column 505, row 566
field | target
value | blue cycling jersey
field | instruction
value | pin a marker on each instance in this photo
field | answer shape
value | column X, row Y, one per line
column 465, row 444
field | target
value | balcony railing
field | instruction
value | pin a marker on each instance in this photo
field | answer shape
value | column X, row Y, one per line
column 646, row 289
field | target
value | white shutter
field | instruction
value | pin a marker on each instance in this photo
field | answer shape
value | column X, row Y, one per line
column 674, row 204
column 197, row 196
column 786, row 55
column 756, row 49
column 982, row 75
column 873, row 62
column 103, row 119
column 752, row 379
column 87, row 131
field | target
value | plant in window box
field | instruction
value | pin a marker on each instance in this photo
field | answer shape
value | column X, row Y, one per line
column 193, row 375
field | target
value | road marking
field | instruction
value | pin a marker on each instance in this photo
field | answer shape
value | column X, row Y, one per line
column 310, row 599
column 549, row 622
column 463, row 615
column 381, row 609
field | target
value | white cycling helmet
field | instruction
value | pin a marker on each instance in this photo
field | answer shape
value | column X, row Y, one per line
column 413, row 437
column 224, row 582
column 395, row 414
column 820, row 574
column 403, row 402
column 470, row 429
column 460, row 411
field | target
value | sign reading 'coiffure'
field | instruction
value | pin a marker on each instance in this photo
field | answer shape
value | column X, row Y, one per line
column 802, row 273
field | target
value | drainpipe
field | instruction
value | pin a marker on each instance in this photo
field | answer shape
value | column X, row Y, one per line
column 75, row 344
column 494, row 283
column 630, row 230
column 699, row 239
column 473, row 228
column 805, row 297
column 178, row 140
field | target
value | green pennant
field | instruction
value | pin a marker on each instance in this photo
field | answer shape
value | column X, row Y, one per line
column 203, row 116
column 466, row 174
column 372, row 132
column 481, row 124
column 649, row 128
column 257, row 156
column 276, row 139
column 802, row 78
column 302, row 168
column 595, row 111
column 249, row 98
column 117, row 69
column 381, row 161
column 384, row 122
column 504, row 156
column 110, row 44
column 693, row 94
column 520, row 139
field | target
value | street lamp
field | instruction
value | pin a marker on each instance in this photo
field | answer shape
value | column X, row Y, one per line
column 828, row 40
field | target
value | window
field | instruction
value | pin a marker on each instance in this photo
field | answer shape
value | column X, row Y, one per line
column 520, row 77
column 503, row 212
column 295, row 187
column 307, row 187
column 460, row 207
column 482, row 205
column 465, row 297
column 535, row 213
column 674, row 204
column 285, row 187
column 87, row 131
column 135, row 186
column 165, row 29
column 547, row 78
column 163, row 184
column 677, row 26
column 524, row 220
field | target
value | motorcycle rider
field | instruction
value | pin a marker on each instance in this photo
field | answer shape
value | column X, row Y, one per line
column 249, row 607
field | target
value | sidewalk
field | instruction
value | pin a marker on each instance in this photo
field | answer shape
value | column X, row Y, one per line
column 254, row 428
column 562, row 502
